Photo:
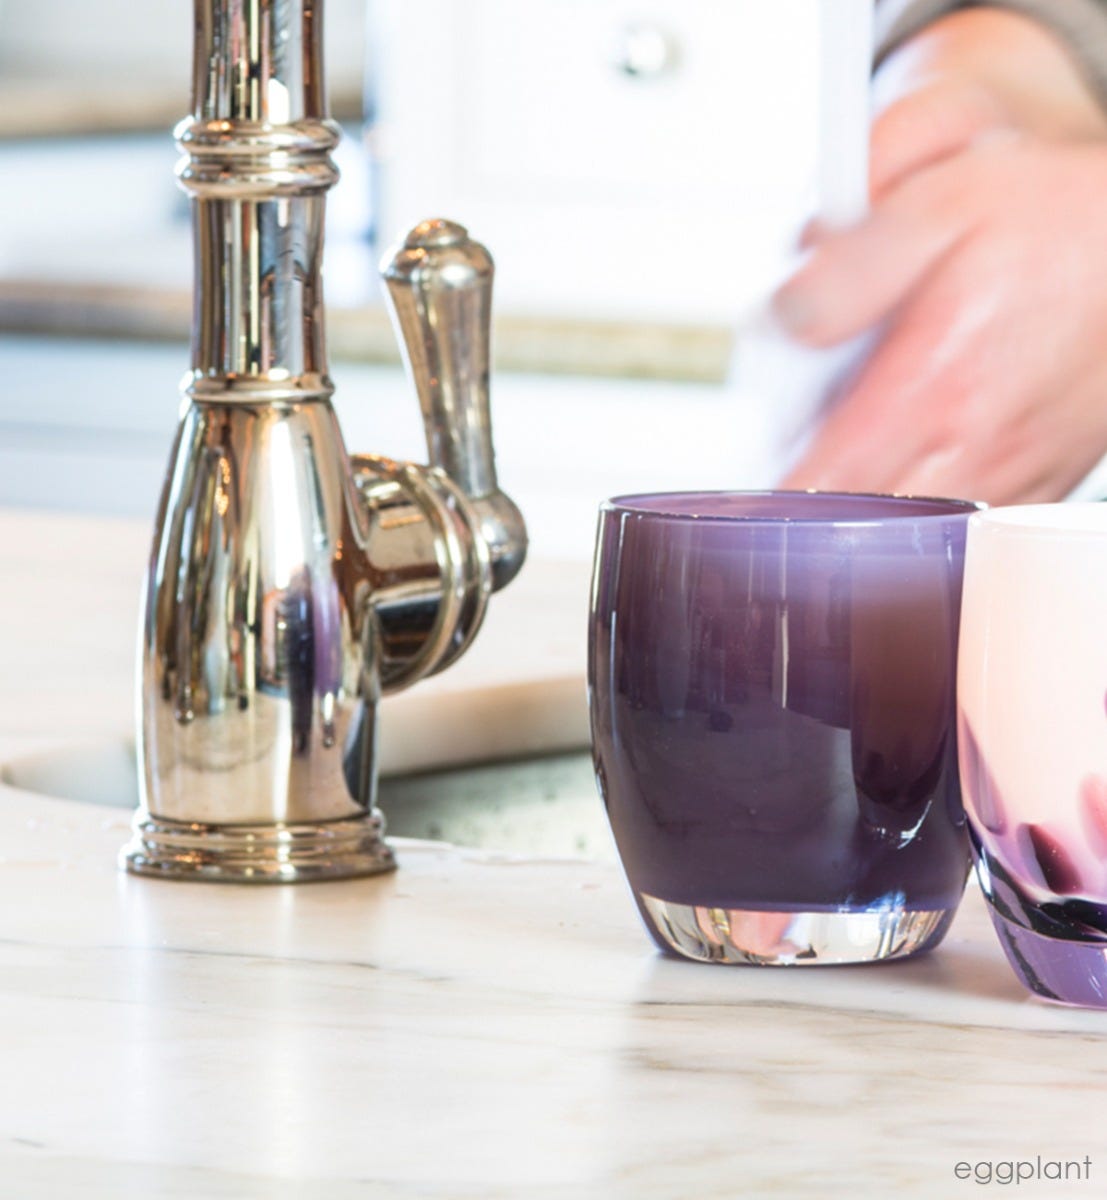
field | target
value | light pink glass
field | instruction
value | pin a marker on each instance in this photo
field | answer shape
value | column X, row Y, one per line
column 1032, row 715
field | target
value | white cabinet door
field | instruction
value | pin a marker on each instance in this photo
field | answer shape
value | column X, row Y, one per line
column 619, row 158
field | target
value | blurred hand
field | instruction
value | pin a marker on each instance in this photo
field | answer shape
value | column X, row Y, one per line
column 983, row 265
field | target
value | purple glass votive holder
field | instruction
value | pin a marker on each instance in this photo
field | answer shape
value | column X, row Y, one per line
column 771, row 683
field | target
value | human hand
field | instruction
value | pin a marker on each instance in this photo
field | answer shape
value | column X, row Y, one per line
column 989, row 273
column 980, row 264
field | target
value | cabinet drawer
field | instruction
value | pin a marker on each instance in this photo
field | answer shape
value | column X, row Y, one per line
column 620, row 144
column 551, row 105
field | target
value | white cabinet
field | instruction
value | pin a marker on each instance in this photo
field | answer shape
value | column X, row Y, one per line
column 619, row 158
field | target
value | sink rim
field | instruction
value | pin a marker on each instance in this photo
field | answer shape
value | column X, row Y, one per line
column 543, row 806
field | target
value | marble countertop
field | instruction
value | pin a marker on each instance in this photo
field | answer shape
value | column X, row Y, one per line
column 476, row 1025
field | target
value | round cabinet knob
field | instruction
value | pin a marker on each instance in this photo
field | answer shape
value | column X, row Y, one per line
column 645, row 52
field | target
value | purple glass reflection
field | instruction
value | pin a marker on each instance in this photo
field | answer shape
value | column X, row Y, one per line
column 1049, row 914
column 772, row 696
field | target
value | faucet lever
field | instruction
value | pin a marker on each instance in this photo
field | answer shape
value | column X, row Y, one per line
column 439, row 283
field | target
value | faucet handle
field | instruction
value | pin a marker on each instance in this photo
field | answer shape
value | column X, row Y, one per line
column 439, row 283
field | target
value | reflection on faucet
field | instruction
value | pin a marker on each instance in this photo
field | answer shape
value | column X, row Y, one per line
column 297, row 640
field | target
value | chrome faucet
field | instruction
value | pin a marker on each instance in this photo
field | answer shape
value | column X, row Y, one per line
column 290, row 586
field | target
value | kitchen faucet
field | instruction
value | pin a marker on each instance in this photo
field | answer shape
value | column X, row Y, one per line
column 291, row 585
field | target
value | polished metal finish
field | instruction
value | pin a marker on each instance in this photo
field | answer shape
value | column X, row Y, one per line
column 257, row 165
column 290, row 587
column 434, row 570
column 440, row 286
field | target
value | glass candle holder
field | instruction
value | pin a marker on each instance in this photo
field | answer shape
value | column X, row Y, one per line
column 771, row 683
column 1032, row 695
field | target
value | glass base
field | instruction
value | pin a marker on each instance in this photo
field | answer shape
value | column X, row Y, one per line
column 275, row 853
column 1066, row 972
column 788, row 939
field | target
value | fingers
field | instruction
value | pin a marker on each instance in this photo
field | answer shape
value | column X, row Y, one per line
column 988, row 380
column 927, row 126
column 901, row 423
column 965, row 396
column 931, row 414
column 1016, row 479
column 854, row 279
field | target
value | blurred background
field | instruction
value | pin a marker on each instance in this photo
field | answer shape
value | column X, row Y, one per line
column 637, row 170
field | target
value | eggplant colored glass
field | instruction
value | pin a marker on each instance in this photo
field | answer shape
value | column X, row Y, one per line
column 1032, row 693
column 771, row 681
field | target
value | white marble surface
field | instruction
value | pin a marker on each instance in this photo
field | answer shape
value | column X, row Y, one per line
column 473, row 1026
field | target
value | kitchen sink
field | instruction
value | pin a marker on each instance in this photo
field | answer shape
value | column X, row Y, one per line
column 544, row 807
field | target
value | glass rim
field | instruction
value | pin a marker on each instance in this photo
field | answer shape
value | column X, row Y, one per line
column 1058, row 520
column 900, row 507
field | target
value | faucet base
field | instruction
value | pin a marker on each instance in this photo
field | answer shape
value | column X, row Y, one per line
column 270, row 853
